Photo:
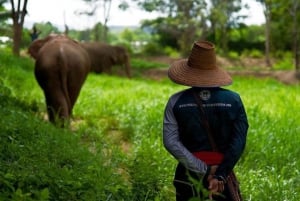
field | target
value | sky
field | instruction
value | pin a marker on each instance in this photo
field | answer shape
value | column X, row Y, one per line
column 60, row 11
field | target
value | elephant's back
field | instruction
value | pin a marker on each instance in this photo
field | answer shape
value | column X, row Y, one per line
column 65, row 54
column 100, row 55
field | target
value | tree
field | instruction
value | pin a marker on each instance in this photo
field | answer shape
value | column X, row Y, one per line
column 92, row 11
column 222, row 19
column 190, row 16
column 190, row 20
column 283, row 22
column 4, row 15
column 18, row 12
column 106, row 8
column 267, row 9
column 295, row 13
column 185, row 21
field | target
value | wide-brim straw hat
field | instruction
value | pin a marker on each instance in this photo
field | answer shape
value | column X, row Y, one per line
column 200, row 68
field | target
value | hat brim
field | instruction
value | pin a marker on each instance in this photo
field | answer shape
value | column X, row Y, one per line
column 180, row 73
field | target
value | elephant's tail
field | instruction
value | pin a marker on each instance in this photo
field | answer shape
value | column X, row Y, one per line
column 64, row 80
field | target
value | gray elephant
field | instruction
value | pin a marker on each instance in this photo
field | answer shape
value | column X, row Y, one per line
column 104, row 56
column 61, row 68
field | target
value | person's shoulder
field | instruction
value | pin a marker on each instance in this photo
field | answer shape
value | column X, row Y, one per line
column 229, row 94
column 179, row 93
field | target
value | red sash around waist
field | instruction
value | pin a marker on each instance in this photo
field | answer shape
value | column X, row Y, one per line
column 210, row 157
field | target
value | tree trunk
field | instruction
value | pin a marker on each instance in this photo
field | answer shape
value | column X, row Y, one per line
column 18, row 17
column 106, row 12
column 186, row 39
column 17, row 38
column 297, row 59
column 224, row 40
column 296, row 48
column 267, row 13
column 295, row 35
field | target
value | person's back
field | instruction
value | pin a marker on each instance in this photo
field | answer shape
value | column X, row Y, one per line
column 205, row 126
column 221, row 106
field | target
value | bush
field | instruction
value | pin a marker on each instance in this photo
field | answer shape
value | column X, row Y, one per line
column 233, row 55
column 284, row 61
column 171, row 52
column 153, row 49
column 252, row 53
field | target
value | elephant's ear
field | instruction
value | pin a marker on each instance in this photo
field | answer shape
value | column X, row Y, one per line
column 35, row 47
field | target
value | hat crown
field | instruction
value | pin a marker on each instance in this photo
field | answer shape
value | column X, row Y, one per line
column 200, row 69
column 202, row 56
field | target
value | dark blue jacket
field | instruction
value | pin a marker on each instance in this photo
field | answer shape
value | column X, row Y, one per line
column 227, row 119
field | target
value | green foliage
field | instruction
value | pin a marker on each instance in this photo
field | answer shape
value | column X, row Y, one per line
column 144, row 64
column 269, row 160
column 146, row 183
column 41, row 162
column 152, row 49
column 171, row 52
column 254, row 53
column 113, row 150
column 284, row 64
column 284, row 61
column 233, row 55
column 46, row 29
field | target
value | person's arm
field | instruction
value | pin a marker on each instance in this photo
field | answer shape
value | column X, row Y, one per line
column 173, row 144
column 237, row 144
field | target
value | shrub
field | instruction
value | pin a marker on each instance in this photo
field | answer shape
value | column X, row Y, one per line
column 152, row 49
column 252, row 53
column 284, row 61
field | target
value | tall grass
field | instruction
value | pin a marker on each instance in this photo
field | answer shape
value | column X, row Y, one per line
column 113, row 149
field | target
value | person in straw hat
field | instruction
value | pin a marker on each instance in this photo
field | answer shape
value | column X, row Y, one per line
column 204, row 128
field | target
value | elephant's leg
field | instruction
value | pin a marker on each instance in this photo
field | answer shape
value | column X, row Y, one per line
column 57, row 107
column 57, row 104
column 73, row 97
column 74, row 87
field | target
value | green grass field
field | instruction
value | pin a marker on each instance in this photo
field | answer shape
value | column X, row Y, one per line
column 113, row 148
